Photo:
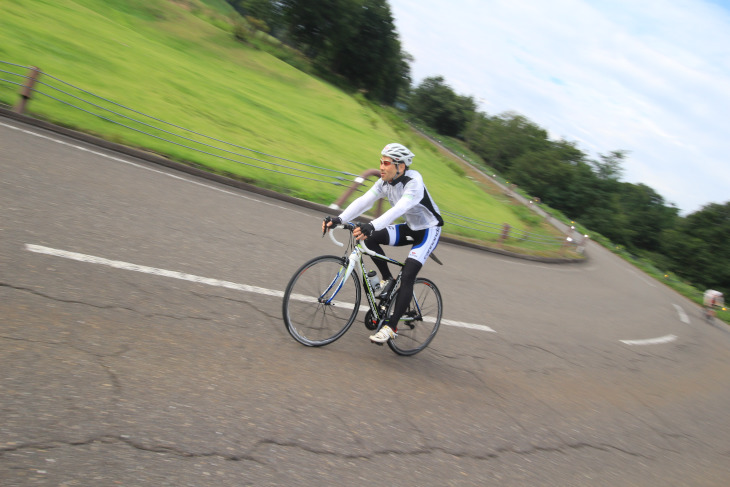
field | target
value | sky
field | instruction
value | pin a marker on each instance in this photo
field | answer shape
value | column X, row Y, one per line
column 649, row 77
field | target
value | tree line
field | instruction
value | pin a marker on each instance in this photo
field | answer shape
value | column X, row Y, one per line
column 356, row 41
column 695, row 247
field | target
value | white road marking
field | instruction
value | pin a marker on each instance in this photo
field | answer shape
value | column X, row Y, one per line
column 682, row 315
column 651, row 341
column 461, row 324
column 118, row 264
column 665, row 339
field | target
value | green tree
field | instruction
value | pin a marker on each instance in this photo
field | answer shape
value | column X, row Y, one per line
column 542, row 173
column 690, row 257
column 647, row 215
column 558, row 174
column 502, row 139
column 574, row 193
column 606, row 218
column 437, row 105
column 351, row 40
column 371, row 56
column 699, row 247
column 609, row 168
column 317, row 25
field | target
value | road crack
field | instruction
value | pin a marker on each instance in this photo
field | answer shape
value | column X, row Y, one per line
column 100, row 306
column 124, row 439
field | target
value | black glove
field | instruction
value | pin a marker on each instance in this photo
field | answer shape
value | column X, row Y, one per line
column 366, row 229
column 336, row 220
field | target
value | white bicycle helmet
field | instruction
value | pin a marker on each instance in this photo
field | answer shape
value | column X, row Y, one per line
column 399, row 153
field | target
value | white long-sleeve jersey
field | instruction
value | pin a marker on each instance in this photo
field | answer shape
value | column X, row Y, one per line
column 408, row 197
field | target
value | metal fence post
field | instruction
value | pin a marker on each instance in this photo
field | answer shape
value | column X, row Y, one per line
column 566, row 245
column 26, row 91
column 505, row 234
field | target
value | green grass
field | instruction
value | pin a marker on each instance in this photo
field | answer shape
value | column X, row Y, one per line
column 179, row 61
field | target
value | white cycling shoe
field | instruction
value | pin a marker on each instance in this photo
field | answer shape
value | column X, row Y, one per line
column 383, row 335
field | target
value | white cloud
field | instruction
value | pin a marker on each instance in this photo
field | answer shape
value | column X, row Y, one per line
column 649, row 77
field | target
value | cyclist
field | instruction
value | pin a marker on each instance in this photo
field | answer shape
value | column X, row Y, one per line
column 409, row 198
column 712, row 299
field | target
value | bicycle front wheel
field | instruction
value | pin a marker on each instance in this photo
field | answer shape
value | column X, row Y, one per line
column 318, row 306
column 421, row 320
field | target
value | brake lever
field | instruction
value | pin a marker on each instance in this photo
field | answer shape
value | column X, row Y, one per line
column 327, row 219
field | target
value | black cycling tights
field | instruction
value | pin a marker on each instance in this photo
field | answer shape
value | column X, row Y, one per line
column 408, row 277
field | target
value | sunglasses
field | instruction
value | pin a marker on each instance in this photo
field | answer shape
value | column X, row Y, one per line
column 385, row 163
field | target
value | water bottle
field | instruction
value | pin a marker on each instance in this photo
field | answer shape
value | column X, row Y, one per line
column 374, row 280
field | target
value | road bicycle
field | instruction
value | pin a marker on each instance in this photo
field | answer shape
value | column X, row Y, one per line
column 709, row 312
column 322, row 300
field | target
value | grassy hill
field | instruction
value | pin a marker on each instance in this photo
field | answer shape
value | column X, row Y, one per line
column 178, row 61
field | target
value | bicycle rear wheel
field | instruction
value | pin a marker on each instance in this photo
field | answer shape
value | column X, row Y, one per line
column 421, row 320
column 315, row 311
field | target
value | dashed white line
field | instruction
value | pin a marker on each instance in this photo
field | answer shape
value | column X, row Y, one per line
column 651, row 341
column 472, row 326
column 127, row 266
column 682, row 315
column 118, row 264
column 665, row 339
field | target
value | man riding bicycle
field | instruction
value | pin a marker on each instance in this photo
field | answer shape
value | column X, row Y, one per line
column 410, row 199
column 712, row 300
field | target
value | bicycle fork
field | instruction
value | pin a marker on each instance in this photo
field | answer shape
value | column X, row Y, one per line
column 339, row 279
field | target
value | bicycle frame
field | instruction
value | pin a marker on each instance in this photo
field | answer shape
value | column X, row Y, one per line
column 354, row 259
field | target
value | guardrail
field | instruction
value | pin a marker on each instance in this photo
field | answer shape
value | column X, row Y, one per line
column 33, row 84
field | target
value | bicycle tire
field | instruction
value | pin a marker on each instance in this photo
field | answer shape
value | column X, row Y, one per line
column 309, row 320
column 426, row 305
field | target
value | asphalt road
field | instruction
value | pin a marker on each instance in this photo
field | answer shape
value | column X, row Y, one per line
column 141, row 344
